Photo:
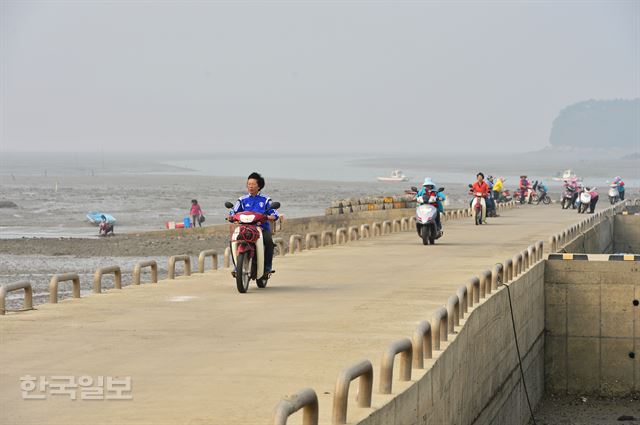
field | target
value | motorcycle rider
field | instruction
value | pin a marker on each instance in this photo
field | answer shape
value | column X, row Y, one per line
column 542, row 188
column 497, row 189
column 481, row 186
column 428, row 191
column 594, row 199
column 524, row 187
column 256, row 201
column 620, row 184
column 491, row 201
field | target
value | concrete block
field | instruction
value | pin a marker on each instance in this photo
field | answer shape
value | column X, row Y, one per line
column 583, row 320
column 583, row 365
column 617, row 322
column 382, row 416
column 617, row 368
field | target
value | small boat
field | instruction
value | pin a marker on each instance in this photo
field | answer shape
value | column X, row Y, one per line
column 396, row 176
column 95, row 217
column 566, row 175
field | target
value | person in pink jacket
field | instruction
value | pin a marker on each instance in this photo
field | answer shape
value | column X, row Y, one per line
column 196, row 213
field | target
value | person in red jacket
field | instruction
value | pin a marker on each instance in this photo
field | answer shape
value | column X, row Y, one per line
column 480, row 186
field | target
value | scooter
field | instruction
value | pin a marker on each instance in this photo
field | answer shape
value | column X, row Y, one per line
column 584, row 200
column 567, row 197
column 614, row 194
column 426, row 215
column 477, row 204
column 505, row 196
column 247, row 247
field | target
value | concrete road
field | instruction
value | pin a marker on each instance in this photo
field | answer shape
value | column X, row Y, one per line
column 198, row 352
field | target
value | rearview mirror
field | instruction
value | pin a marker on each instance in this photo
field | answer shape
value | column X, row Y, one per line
column 415, row 189
column 470, row 185
column 441, row 189
column 228, row 204
column 275, row 205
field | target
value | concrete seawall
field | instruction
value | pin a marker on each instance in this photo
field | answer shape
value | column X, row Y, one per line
column 476, row 378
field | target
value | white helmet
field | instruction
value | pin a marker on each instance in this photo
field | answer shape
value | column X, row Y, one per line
column 428, row 182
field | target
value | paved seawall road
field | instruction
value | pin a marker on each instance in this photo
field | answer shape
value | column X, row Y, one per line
column 199, row 352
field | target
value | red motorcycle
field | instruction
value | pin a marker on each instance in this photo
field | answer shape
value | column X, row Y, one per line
column 247, row 247
column 533, row 196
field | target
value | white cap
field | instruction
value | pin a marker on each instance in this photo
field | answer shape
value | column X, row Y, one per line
column 428, row 182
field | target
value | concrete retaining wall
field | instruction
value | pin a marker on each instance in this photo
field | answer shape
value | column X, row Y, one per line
column 476, row 378
column 626, row 232
column 592, row 327
column 595, row 240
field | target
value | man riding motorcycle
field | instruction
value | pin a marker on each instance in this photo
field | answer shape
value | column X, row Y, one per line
column 255, row 201
column 620, row 184
column 480, row 186
column 427, row 192
column 525, row 189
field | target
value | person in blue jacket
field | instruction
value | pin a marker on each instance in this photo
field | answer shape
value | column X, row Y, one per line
column 256, row 201
column 430, row 186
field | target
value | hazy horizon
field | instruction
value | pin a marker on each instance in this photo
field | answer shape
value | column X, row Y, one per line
column 306, row 77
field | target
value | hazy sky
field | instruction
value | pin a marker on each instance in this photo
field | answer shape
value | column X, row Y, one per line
column 306, row 76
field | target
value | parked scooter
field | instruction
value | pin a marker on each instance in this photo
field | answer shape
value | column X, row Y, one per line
column 505, row 196
column 584, row 200
column 614, row 194
column 567, row 197
column 247, row 247
column 426, row 215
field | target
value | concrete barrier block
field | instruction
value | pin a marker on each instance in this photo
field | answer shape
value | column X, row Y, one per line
column 584, row 294
column 583, row 365
column 425, row 398
column 617, row 378
column 384, row 415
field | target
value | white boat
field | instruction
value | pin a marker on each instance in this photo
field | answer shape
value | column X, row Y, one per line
column 396, row 176
column 566, row 175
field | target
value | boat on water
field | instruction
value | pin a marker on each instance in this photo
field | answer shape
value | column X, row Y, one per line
column 95, row 217
column 566, row 175
column 396, row 176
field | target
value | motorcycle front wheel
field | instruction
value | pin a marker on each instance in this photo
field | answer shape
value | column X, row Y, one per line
column 424, row 234
column 243, row 272
column 478, row 216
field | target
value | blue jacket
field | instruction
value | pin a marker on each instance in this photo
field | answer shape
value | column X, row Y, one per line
column 259, row 203
column 440, row 197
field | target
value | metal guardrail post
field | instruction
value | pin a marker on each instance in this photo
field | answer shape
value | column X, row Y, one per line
column 464, row 302
column 508, row 266
column 226, row 262
column 517, row 265
column 295, row 241
column 65, row 277
column 362, row 370
column 327, row 234
column 553, row 243
column 16, row 286
column 453, row 305
column 473, row 290
column 341, row 235
column 525, row 260
column 386, row 227
column 365, row 231
column 137, row 271
column 396, row 226
column 404, row 223
column 172, row 265
column 97, row 278
column 208, row 253
column 352, row 233
column 421, row 343
column 439, row 327
column 539, row 250
column 312, row 237
column 497, row 276
column 412, row 221
column 305, row 399
column 278, row 242
column 376, row 228
column 485, row 285
column 404, row 348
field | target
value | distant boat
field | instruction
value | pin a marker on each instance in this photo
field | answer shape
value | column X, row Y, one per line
column 95, row 217
column 396, row 176
column 566, row 175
